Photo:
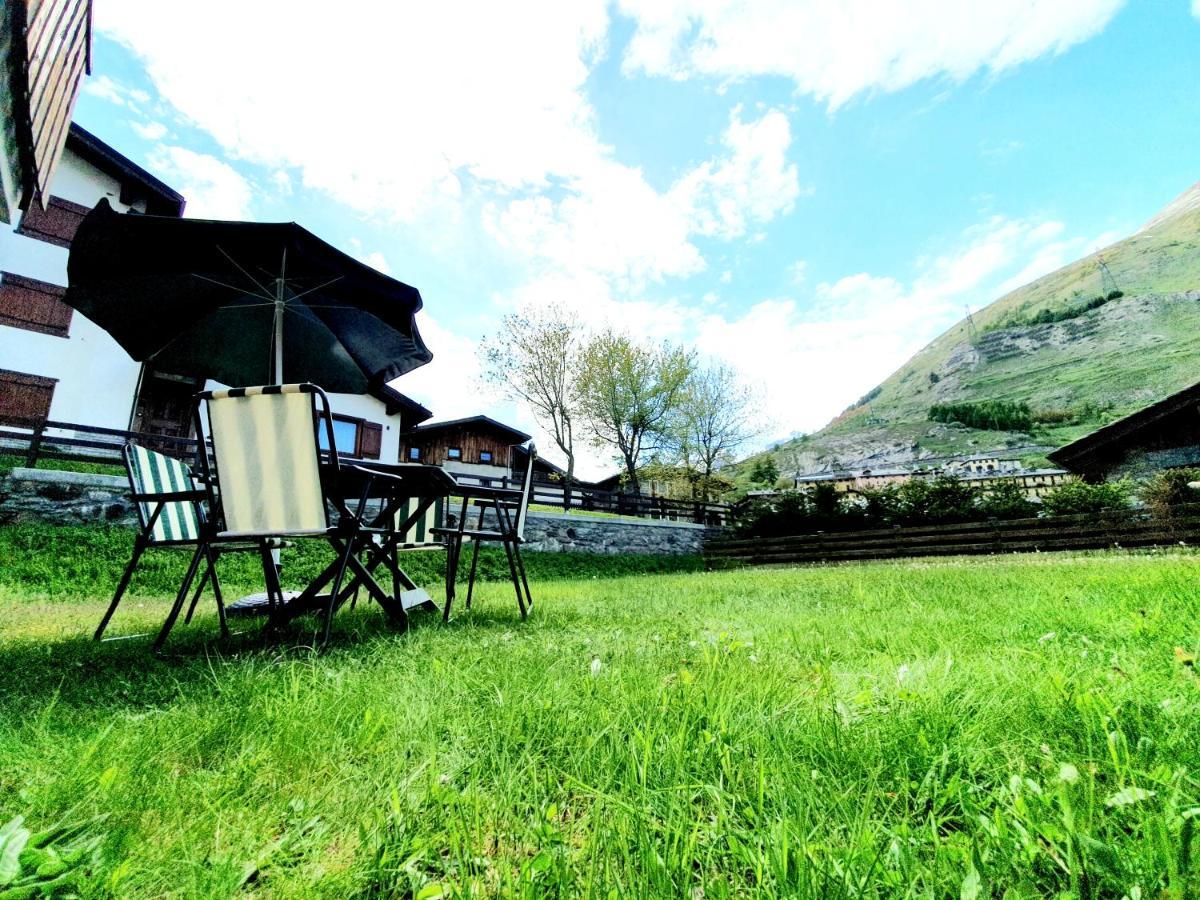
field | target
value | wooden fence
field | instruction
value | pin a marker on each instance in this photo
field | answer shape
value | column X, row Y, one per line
column 1112, row 528
column 49, row 440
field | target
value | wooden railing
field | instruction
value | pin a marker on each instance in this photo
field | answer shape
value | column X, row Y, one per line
column 1111, row 528
column 46, row 439
column 552, row 493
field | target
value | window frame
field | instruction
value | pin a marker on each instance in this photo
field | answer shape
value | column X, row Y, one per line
column 414, row 454
column 454, row 453
column 487, row 457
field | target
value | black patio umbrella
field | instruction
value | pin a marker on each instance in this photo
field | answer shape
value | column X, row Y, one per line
column 244, row 303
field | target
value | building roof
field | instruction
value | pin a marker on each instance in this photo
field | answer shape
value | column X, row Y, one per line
column 1117, row 436
column 519, row 437
column 396, row 402
column 161, row 199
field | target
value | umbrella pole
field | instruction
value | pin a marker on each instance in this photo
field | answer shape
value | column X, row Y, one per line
column 277, row 342
column 277, row 362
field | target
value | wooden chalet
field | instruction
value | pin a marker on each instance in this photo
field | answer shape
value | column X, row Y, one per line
column 1164, row 435
column 477, row 445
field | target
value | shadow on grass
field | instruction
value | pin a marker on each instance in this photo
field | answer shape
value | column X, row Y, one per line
column 123, row 672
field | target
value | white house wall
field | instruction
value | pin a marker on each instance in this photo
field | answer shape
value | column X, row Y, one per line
column 96, row 378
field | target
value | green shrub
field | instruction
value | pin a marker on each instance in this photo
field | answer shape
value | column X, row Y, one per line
column 1078, row 497
column 991, row 415
column 1007, row 500
column 1169, row 489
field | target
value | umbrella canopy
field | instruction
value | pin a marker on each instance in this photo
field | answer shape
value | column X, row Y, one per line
column 243, row 303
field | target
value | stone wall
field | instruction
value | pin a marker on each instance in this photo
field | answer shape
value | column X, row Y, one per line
column 584, row 534
column 71, row 498
column 64, row 498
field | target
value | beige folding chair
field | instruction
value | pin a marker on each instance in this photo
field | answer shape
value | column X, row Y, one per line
column 264, row 480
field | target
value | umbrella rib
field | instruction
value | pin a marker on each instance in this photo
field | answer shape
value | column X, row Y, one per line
column 232, row 288
column 237, row 265
column 310, row 290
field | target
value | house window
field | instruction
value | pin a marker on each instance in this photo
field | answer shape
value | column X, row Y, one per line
column 485, row 456
column 454, row 453
column 354, row 437
column 33, row 305
column 24, row 399
column 414, row 454
column 56, row 224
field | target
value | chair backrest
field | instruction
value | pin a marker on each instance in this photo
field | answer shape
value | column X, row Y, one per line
column 268, row 458
column 526, row 492
column 153, row 473
column 419, row 534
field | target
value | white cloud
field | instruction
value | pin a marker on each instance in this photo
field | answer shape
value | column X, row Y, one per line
column 114, row 92
column 798, row 271
column 751, row 184
column 150, row 131
column 612, row 222
column 213, row 189
column 835, row 51
column 389, row 107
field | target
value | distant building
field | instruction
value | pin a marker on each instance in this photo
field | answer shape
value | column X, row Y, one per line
column 1164, row 435
column 477, row 446
column 982, row 470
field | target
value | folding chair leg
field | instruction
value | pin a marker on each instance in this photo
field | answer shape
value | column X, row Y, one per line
column 138, row 548
column 451, row 574
column 216, row 586
column 512, row 568
column 187, row 620
column 337, row 586
column 180, row 598
column 524, row 580
column 471, row 579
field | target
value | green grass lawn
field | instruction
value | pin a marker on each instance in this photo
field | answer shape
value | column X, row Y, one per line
column 1019, row 726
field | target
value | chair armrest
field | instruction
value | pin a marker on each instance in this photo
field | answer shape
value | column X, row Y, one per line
column 170, row 497
column 367, row 470
column 473, row 491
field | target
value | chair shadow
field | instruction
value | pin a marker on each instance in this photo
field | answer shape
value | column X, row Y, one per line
column 122, row 672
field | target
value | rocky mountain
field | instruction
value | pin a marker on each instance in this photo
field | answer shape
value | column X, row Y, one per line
column 1082, row 346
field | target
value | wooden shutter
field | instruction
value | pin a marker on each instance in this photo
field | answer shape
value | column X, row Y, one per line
column 24, row 399
column 33, row 305
column 56, row 224
column 370, row 440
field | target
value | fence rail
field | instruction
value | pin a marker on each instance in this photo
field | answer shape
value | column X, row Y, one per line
column 38, row 439
column 1113, row 528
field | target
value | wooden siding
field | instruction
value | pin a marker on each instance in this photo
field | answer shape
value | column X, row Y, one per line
column 33, row 305
column 55, row 224
column 24, row 397
column 435, row 447
column 57, row 56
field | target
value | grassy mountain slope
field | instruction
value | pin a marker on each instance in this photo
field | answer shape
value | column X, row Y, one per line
column 1075, row 374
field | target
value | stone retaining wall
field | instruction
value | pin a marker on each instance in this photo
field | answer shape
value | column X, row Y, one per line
column 65, row 498
column 72, row 498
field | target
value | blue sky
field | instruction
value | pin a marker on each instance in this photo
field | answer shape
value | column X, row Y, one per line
column 808, row 191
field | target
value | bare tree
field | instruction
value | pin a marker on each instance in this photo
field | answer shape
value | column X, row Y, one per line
column 630, row 393
column 718, row 415
column 534, row 359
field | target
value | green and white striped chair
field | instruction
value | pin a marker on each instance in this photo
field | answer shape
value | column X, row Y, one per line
column 168, row 503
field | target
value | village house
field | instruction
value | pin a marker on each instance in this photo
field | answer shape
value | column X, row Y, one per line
column 982, row 471
column 57, row 365
column 477, row 448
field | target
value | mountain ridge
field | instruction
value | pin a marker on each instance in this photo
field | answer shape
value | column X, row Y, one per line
column 1085, row 344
